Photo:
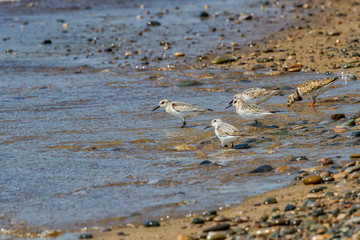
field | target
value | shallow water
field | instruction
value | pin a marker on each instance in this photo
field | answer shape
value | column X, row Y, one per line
column 80, row 147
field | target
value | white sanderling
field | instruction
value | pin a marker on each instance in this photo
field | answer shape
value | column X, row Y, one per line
column 255, row 95
column 310, row 89
column 226, row 132
column 250, row 111
column 180, row 109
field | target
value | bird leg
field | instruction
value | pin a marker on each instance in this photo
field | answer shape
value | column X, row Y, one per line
column 184, row 123
column 313, row 103
column 255, row 122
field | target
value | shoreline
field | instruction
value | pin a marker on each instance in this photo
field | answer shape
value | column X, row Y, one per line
column 311, row 46
column 306, row 47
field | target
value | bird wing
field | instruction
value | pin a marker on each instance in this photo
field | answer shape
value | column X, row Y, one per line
column 185, row 107
column 310, row 86
column 228, row 129
column 251, row 108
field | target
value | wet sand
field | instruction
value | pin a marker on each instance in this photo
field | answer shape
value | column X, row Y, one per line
column 323, row 40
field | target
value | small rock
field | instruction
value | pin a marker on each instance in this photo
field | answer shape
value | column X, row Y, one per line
column 262, row 169
column 46, row 42
column 242, row 146
column 265, row 59
column 289, row 207
column 298, row 159
column 349, row 123
column 222, row 59
column 85, row 236
column 152, row 23
column 270, row 200
column 198, row 221
column 355, row 155
column 189, row 83
column 184, row 146
column 312, row 180
column 283, row 168
column 219, row 227
column 204, row 14
column 152, row 223
column 316, row 190
column 352, row 169
column 183, row 237
column 208, row 163
column 337, row 116
column 179, row 54
column 216, row 236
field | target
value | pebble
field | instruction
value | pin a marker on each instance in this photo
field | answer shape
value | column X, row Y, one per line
column 337, row 116
column 355, row 155
column 242, row 146
column 312, row 180
column 179, row 54
column 289, row 207
column 264, row 60
column 270, row 200
column 283, row 168
column 298, row 159
column 222, row 59
column 219, row 227
column 184, row 146
column 152, row 223
column 85, row 236
column 262, row 169
column 189, row 83
column 352, row 169
column 203, row 14
column 198, row 221
column 183, row 237
column 216, row 236
column 152, row 23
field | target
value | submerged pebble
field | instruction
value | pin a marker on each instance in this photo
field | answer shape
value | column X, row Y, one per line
column 262, row 169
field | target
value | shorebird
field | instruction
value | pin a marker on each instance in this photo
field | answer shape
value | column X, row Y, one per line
column 180, row 109
column 310, row 89
column 250, row 111
column 226, row 132
column 255, row 95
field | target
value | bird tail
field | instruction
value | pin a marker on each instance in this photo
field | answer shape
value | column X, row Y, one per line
column 331, row 80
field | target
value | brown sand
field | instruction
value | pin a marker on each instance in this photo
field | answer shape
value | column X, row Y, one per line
column 315, row 44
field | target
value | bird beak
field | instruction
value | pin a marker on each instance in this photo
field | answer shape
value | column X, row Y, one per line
column 155, row 108
column 230, row 104
column 207, row 127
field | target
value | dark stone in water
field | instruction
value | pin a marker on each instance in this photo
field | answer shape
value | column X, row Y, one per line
column 153, row 23
column 209, row 213
column 198, row 221
column 85, row 236
column 289, row 207
column 207, row 162
column 242, row 146
column 152, row 223
column 262, row 169
column 315, row 190
column 46, row 42
column 189, row 83
column 270, row 200
column 220, row 227
column 337, row 116
column 298, row 159
column 204, row 14
column 355, row 134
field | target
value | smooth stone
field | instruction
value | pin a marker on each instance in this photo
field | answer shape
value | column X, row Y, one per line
column 183, row 237
column 283, row 168
column 209, row 213
column 316, row 190
column 222, row 59
column 152, row 223
column 208, row 163
column 298, row 159
column 216, row 236
column 198, row 221
column 221, row 219
column 327, row 162
column 189, row 83
column 352, row 169
column 85, row 236
column 262, row 169
column 355, row 134
column 349, row 123
column 204, row 14
column 312, row 180
column 263, row 60
column 355, row 155
column 289, row 207
column 337, row 116
column 240, row 219
column 46, row 42
column 242, row 146
column 314, row 196
column 270, row 200
column 219, row 227
column 153, row 23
